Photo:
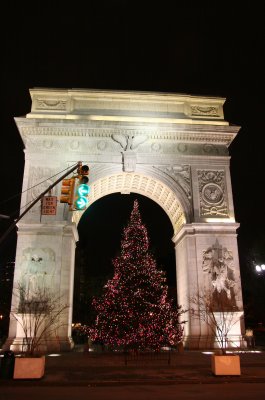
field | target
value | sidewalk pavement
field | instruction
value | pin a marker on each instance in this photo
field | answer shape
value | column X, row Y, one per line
column 108, row 369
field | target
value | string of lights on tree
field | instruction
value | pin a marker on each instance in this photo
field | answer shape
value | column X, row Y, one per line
column 134, row 310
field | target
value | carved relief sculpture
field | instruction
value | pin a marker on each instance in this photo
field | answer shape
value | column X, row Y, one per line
column 51, row 104
column 212, row 193
column 210, row 111
column 38, row 269
column 219, row 263
column 129, row 143
column 180, row 174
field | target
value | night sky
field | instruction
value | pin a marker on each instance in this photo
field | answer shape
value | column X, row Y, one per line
column 207, row 49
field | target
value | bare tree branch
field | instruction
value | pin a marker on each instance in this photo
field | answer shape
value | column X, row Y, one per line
column 38, row 313
column 218, row 313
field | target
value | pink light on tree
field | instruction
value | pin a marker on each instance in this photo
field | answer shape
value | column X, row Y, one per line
column 134, row 310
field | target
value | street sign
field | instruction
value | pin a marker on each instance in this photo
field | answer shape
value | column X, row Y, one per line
column 49, row 205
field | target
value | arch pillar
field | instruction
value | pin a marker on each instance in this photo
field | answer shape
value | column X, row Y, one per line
column 194, row 273
column 46, row 252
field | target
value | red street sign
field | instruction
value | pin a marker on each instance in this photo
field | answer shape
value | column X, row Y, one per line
column 49, row 205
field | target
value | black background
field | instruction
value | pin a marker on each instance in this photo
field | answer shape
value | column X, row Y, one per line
column 206, row 49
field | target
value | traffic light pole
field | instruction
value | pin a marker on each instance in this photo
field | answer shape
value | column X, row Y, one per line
column 12, row 226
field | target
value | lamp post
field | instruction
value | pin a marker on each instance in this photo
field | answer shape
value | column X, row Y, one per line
column 260, row 328
column 260, row 269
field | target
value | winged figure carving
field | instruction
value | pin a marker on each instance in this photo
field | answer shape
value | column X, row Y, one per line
column 137, row 140
column 121, row 139
column 129, row 142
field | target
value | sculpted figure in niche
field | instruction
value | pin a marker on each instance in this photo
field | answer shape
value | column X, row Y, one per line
column 38, row 270
column 218, row 262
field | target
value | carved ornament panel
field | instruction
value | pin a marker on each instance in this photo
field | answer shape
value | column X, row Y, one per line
column 180, row 174
column 212, row 193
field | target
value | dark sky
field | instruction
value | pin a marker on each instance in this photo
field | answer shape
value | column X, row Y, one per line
column 205, row 49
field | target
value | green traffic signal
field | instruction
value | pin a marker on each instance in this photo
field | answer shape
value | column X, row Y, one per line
column 82, row 193
column 83, row 190
column 81, row 203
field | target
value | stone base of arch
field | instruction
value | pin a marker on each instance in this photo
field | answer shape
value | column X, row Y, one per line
column 206, row 339
column 55, row 345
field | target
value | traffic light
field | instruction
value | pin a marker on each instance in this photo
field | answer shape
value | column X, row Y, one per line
column 67, row 191
column 83, row 171
column 82, row 188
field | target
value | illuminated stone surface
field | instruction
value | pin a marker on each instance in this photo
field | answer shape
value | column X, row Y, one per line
column 171, row 148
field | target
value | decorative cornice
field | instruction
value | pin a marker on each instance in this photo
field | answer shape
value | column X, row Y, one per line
column 182, row 133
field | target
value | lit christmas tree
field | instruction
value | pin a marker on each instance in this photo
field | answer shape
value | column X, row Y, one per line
column 134, row 310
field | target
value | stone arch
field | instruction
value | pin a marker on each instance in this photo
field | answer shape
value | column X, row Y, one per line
column 155, row 189
column 172, row 148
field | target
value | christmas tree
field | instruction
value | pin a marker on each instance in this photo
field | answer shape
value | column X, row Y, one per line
column 134, row 310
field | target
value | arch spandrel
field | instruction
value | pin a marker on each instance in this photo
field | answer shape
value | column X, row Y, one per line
column 148, row 186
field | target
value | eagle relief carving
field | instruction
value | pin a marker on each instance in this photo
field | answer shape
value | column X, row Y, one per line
column 129, row 143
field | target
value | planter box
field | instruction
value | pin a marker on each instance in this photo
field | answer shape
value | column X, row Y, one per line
column 29, row 368
column 227, row 364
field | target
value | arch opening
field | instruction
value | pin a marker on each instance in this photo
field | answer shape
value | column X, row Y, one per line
column 100, row 232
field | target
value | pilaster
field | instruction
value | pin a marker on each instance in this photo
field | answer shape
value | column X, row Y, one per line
column 207, row 260
column 45, row 257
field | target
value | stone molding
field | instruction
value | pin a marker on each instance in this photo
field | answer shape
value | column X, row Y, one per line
column 200, row 134
column 221, row 228
column 123, row 103
column 68, row 229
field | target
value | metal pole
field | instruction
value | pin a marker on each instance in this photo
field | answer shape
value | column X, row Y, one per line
column 12, row 226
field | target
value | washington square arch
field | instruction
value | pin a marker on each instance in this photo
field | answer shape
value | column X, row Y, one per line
column 171, row 148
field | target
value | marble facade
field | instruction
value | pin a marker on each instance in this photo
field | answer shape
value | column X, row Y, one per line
column 172, row 148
